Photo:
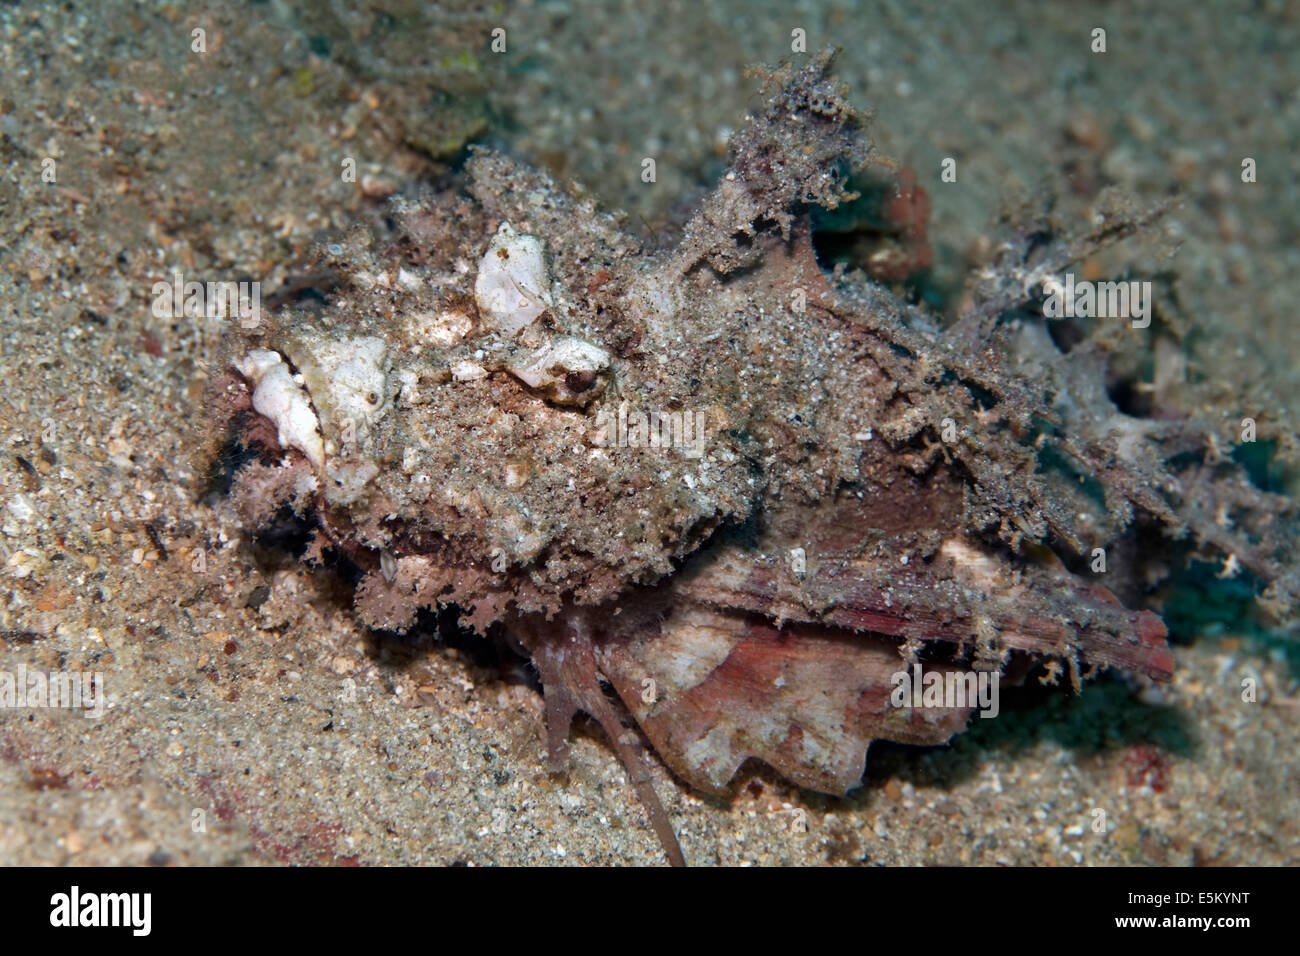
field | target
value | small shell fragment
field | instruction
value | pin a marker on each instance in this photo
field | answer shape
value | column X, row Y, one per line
column 468, row 372
column 512, row 287
column 277, row 396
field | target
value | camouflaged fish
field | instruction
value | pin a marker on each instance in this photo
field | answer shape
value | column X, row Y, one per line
column 743, row 491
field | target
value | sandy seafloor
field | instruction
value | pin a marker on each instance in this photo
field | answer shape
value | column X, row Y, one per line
column 253, row 721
